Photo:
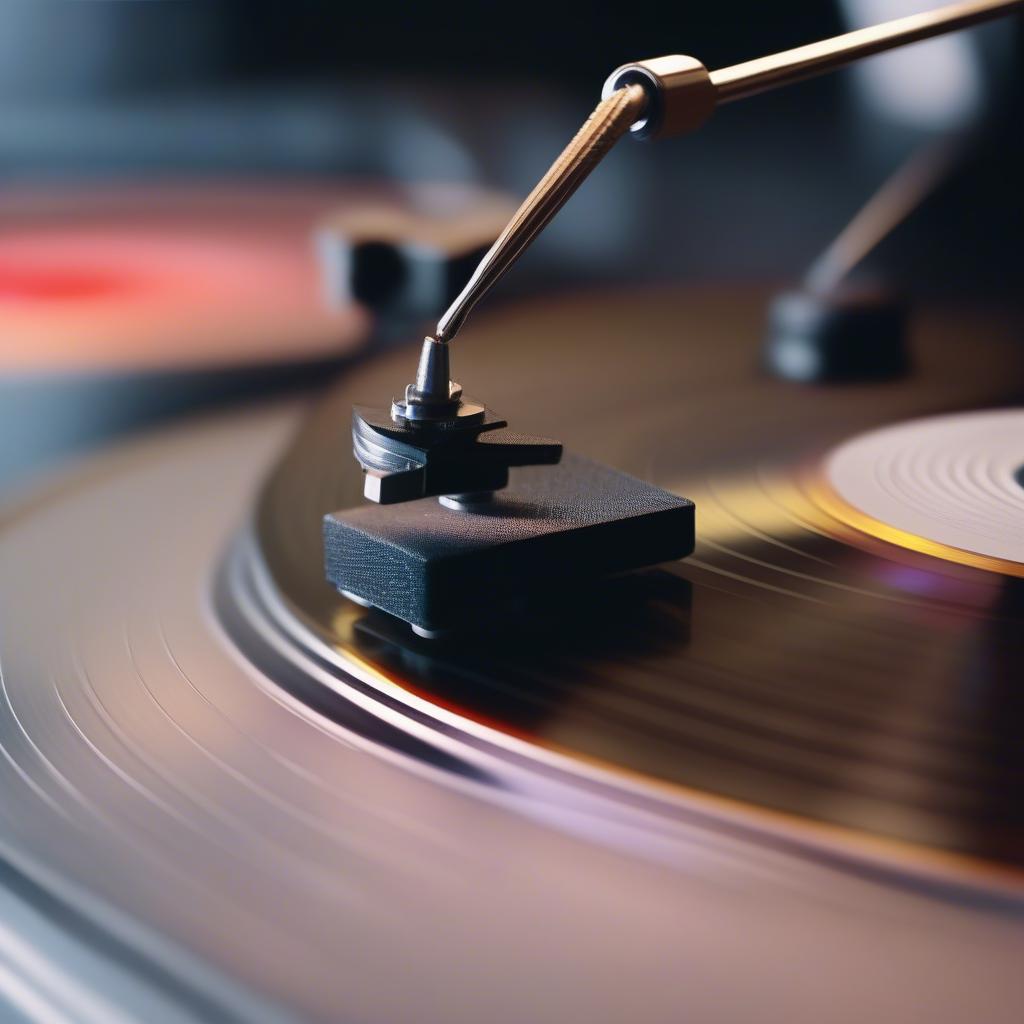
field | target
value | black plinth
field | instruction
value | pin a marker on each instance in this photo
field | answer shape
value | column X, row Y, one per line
column 446, row 569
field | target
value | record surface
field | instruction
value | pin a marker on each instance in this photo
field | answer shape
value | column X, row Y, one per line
column 793, row 664
column 196, row 792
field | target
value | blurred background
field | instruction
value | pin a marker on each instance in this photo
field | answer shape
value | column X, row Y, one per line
column 206, row 202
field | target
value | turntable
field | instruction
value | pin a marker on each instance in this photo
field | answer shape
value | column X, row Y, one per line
column 711, row 711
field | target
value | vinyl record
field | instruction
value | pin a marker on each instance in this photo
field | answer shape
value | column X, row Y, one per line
column 239, row 797
column 795, row 665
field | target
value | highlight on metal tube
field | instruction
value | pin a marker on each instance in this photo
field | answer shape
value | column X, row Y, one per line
column 682, row 93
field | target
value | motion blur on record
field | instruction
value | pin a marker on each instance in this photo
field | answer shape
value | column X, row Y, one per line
column 649, row 651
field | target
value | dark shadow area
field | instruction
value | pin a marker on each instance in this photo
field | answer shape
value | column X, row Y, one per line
column 547, row 651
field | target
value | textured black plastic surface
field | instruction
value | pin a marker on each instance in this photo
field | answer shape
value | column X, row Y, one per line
column 442, row 568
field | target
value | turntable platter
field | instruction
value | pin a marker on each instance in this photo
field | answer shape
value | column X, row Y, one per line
column 794, row 664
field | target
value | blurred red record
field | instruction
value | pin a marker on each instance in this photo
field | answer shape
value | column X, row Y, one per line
column 121, row 304
column 134, row 277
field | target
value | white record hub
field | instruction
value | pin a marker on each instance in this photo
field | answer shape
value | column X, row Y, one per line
column 953, row 480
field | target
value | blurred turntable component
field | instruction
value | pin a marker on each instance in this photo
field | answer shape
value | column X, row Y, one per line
column 845, row 334
column 835, row 329
column 123, row 304
column 406, row 262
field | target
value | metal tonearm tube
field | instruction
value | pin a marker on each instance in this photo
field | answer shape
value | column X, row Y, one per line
column 669, row 96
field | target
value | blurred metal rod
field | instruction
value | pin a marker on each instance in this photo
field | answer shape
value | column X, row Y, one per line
column 754, row 76
column 897, row 198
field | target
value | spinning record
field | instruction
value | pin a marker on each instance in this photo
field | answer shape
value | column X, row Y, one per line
column 776, row 777
column 255, row 800
column 797, row 668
